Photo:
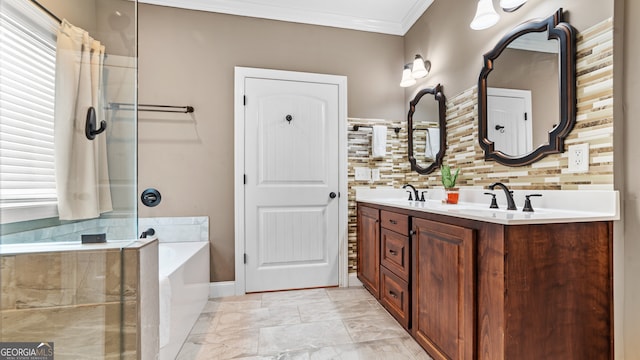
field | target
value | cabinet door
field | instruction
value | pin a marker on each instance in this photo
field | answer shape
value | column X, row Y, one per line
column 369, row 249
column 443, row 289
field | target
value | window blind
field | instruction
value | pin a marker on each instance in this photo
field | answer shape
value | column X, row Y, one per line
column 27, row 91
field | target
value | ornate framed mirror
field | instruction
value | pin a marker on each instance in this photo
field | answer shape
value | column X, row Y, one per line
column 527, row 92
column 426, row 124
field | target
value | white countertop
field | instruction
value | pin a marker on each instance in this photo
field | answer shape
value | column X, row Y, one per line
column 555, row 206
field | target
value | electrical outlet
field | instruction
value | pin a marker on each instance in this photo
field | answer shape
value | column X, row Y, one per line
column 362, row 174
column 579, row 158
column 375, row 174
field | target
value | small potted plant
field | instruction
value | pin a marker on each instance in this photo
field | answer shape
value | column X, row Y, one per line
column 449, row 183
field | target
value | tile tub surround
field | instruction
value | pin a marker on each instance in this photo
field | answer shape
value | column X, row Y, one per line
column 73, row 298
column 334, row 323
column 117, row 229
column 594, row 125
column 177, row 229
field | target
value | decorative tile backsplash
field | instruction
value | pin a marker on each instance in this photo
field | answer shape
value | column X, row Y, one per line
column 594, row 125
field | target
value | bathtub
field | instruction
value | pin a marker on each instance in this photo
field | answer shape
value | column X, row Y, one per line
column 184, row 291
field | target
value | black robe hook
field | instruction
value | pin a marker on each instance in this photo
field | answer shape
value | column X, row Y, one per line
column 90, row 128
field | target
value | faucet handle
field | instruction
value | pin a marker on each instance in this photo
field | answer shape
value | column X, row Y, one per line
column 422, row 195
column 494, row 203
column 410, row 195
column 527, row 202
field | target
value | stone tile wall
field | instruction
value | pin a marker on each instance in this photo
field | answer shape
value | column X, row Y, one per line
column 594, row 126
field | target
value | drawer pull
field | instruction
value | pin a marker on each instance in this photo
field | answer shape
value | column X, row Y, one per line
column 393, row 222
column 393, row 252
column 393, row 295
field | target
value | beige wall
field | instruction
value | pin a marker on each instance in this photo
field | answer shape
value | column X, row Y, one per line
column 188, row 57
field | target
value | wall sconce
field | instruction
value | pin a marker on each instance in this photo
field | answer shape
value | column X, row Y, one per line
column 486, row 15
column 416, row 70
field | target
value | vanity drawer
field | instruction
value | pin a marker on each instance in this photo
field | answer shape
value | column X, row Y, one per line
column 394, row 253
column 394, row 296
column 394, row 221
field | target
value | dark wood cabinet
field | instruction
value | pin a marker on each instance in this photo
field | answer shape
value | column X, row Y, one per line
column 470, row 289
column 443, row 289
column 395, row 296
column 369, row 249
column 395, row 248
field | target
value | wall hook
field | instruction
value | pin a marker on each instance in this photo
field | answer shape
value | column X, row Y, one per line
column 90, row 126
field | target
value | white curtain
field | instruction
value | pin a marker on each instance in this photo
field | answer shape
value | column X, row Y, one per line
column 82, row 174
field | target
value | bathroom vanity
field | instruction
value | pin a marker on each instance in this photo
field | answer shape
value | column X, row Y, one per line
column 469, row 282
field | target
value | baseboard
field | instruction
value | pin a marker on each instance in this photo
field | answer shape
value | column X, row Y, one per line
column 222, row 289
column 354, row 281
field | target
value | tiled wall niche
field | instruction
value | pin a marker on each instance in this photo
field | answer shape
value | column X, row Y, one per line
column 594, row 126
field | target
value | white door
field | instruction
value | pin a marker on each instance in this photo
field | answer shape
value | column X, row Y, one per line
column 509, row 120
column 292, row 184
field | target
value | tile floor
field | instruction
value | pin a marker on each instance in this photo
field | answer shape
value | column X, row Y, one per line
column 336, row 323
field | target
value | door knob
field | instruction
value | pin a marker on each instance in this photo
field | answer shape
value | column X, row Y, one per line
column 332, row 195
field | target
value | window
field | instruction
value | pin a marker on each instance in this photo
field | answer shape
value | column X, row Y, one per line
column 27, row 91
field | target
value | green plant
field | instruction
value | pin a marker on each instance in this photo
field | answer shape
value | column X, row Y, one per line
column 448, row 180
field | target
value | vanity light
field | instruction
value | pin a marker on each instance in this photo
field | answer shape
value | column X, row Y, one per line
column 419, row 69
column 511, row 5
column 486, row 16
column 412, row 71
column 407, row 79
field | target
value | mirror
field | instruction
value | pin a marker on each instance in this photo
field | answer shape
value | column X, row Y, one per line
column 427, row 130
column 526, row 92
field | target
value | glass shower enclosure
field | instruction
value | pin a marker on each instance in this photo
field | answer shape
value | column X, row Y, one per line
column 65, row 69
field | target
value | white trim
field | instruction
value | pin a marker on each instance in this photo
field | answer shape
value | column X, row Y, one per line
column 274, row 12
column 221, row 289
column 416, row 11
column 241, row 73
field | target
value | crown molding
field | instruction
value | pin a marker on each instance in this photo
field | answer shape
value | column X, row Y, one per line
column 275, row 12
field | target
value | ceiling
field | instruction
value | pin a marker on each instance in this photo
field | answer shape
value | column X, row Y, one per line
column 393, row 17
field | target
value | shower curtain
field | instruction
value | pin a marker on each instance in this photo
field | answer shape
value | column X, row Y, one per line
column 82, row 174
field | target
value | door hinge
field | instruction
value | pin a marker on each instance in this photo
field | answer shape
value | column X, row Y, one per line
column 525, row 116
column 338, row 193
column 245, row 258
column 244, row 99
column 244, row 179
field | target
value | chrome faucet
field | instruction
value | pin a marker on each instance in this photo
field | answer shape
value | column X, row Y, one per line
column 415, row 192
column 511, row 205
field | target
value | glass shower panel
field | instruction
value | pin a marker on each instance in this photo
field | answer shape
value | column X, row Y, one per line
column 54, row 290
